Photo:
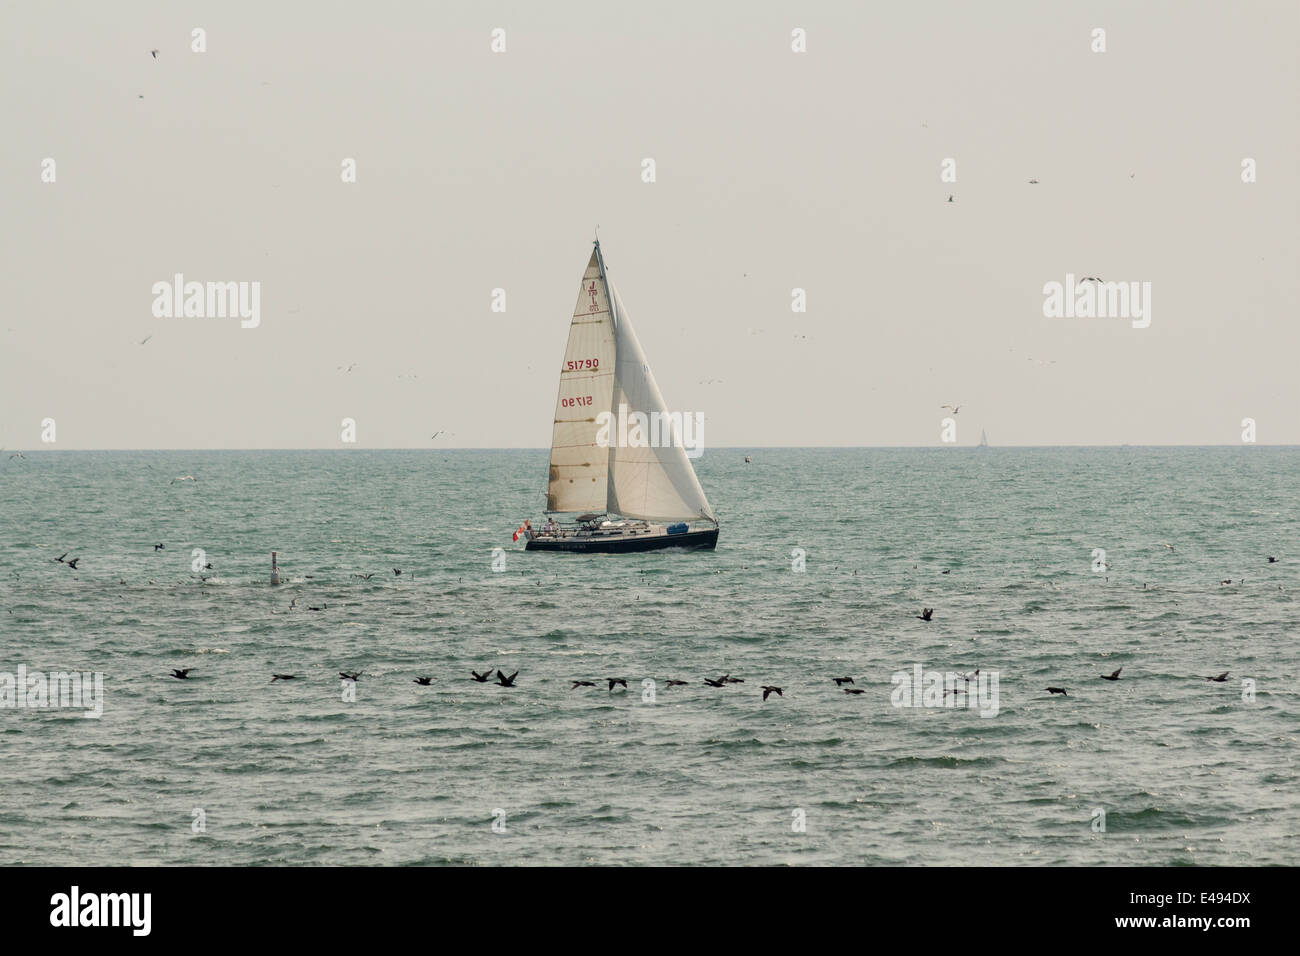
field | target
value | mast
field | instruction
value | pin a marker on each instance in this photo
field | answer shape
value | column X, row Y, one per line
column 604, row 280
column 611, row 454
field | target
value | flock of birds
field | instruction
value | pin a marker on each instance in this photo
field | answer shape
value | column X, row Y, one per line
column 502, row 680
column 509, row 681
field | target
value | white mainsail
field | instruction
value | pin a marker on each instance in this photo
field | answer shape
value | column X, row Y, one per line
column 605, row 368
column 579, row 478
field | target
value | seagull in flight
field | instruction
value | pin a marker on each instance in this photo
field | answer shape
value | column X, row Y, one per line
column 953, row 408
column 146, row 338
column 183, row 478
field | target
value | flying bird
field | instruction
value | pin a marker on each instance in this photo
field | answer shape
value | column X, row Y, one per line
column 183, row 478
column 771, row 690
column 396, row 572
column 949, row 199
column 183, row 674
column 953, row 408
column 1222, row 678
column 1057, row 690
column 159, row 547
column 154, row 54
column 146, row 339
column 715, row 683
column 505, row 681
column 60, row 558
column 616, row 680
column 925, row 614
column 423, row 681
column 1114, row 676
column 1033, row 182
column 484, row 677
column 73, row 563
column 276, row 677
column 841, row 681
column 584, row 683
column 354, row 677
column 678, row 683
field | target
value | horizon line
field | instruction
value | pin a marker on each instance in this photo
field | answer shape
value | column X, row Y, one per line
column 716, row 448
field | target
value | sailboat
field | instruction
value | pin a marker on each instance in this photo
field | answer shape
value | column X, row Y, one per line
column 614, row 487
column 984, row 439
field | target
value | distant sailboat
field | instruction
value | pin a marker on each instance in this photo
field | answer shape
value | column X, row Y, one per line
column 984, row 439
column 627, row 495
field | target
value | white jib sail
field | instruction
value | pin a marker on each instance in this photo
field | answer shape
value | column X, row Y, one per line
column 579, row 478
column 650, row 483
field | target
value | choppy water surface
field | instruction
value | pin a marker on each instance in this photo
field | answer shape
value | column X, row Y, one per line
column 1186, row 771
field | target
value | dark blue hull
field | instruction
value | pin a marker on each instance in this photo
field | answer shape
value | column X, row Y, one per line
column 705, row 540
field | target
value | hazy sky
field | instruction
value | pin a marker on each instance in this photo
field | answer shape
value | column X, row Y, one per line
column 775, row 170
